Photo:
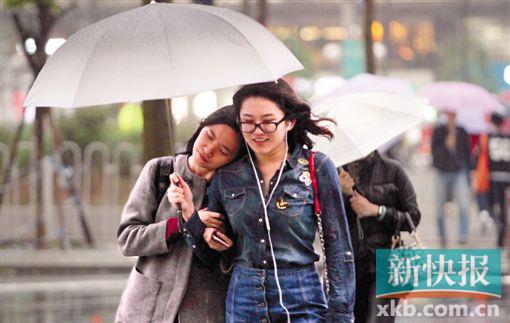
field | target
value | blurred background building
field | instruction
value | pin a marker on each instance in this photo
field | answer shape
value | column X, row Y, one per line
column 421, row 41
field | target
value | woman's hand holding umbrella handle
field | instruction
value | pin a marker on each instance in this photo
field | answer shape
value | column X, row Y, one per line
column 179, row 195
column 347, row 182
column 362, row 206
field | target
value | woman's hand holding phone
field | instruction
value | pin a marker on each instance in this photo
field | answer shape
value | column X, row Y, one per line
column 217, row 240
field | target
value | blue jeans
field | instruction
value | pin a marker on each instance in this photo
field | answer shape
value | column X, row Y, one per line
column 457, row 184
column 253, row 295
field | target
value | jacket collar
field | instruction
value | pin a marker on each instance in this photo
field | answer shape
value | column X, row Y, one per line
column 297, row 154
column 182, row 168
column 364, row 167
column 292, row 161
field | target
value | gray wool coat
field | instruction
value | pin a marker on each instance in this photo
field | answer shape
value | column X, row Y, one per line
column 160, row 287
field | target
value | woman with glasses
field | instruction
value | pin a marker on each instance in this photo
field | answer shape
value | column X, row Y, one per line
column 268, row 201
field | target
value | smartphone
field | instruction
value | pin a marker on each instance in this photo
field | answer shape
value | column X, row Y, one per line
column 218, row 239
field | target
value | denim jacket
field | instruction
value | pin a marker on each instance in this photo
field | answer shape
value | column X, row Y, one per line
column 234, row 192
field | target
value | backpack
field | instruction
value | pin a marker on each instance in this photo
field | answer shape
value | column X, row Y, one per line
column 164, row 167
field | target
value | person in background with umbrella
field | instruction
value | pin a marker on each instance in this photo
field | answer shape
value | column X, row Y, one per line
column 498, row 147
column 168, row 282
column 450, row 146
column 379, row 193
column 268, row 199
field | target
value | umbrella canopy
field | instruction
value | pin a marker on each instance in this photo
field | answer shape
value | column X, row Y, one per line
column 460, row 96
column 160, row 51
column 365, row 121
column 373, row 83
column 504, row 97
column 473, row 121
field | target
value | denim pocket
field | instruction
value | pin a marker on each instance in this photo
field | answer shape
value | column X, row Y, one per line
column 234, row 199
column 292, row 201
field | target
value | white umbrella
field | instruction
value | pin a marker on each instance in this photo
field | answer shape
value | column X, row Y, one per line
column 160, row 51
column 365, row 121
column 365, row 82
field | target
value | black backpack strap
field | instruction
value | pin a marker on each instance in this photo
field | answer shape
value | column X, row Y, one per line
column 164, row 167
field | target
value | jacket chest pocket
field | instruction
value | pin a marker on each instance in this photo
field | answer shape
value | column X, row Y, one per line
column 234, row 200
column 292, row 201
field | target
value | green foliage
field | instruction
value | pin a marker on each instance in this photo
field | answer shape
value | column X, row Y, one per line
column 17, row 4
column 86, row 125
column 130, row 118
column 7, row 133
column 304, row 54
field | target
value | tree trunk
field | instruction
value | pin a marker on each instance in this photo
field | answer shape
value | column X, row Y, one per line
column 262, row 12
column 246, row 8
column 369, row 47
column 156, row 129
column 40, row 229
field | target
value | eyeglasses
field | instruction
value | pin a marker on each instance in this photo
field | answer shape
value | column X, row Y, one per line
column 266, row 126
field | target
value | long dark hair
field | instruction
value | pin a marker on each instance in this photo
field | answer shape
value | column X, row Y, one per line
column 226, row 115
column 294, row 107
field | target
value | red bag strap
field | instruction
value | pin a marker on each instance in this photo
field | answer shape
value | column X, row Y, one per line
column 315, row 185
column 317, row 209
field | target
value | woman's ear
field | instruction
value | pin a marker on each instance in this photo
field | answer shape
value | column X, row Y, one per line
column 291, row 124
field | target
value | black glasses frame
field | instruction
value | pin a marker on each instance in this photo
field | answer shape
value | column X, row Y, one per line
column 259, row 125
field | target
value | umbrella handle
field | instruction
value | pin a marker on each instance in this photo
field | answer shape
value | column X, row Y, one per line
column 179, row 206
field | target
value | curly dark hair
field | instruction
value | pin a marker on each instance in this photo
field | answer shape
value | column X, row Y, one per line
column 226, row 115
column 294, row 107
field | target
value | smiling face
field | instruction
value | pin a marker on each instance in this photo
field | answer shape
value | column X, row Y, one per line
column 258, row 110
column 215, row 146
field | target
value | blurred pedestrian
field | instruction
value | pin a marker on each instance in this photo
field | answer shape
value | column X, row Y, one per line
column 498, row 144
column 168, row 283
column 481, row 181
column 451, row 158
column 379, row 195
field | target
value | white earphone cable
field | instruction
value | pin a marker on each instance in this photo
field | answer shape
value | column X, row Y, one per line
column 266, row 218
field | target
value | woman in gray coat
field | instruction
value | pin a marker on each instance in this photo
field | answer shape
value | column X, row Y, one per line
column 168, row 283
